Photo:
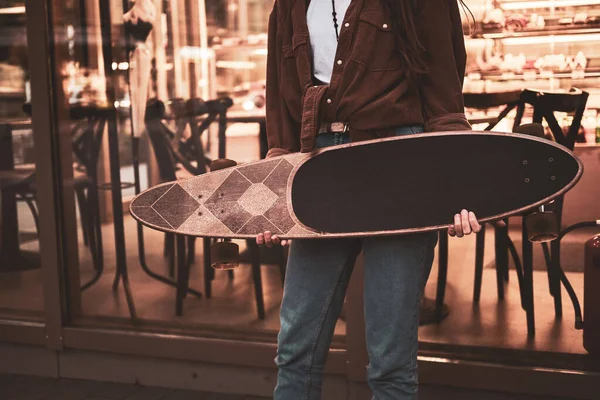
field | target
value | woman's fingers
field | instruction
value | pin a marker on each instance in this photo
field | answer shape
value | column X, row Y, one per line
column 451, row 231
column 268, row 239
column 466, row 225
column 475, row 225
column 458, row 226
column 276, row 239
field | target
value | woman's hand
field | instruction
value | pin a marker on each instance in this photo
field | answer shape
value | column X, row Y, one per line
column 466, row 223
column 267, row 239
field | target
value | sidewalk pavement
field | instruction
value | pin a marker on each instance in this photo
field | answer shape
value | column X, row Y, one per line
column 20, row 387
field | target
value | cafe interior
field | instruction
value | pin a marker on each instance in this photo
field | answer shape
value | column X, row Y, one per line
column 102, row 99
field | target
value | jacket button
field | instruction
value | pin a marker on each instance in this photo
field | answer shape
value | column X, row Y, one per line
column 328, row 101
column 385, row 26
column 346, row 24
column 339, row 62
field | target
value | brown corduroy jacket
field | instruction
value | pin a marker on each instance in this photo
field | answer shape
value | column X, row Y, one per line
column 369, row 88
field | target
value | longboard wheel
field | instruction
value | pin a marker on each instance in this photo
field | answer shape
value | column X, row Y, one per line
column 541, row 226
column 222, row 163
column 225, row 255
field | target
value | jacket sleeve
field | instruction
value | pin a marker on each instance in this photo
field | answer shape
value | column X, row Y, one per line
column 441, row 34
column 283, row 134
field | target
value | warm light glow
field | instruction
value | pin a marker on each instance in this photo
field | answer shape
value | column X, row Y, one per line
column 123, row 66
column 548, row 4
column 236, row 64
column 13, row 10
column 551, row 39
column 248, row 105
column 196, row 53
column 114, row 66
column 260, row 52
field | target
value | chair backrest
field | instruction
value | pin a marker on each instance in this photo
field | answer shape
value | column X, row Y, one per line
column 87, row 133
column 171, row 147
column 545, row 104
column 203, row 113
column 484, row 101
column 159, row 139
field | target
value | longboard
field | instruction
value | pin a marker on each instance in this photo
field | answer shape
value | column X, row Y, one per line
column 380, row 187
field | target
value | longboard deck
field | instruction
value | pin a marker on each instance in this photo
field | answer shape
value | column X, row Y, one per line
column 381, row 187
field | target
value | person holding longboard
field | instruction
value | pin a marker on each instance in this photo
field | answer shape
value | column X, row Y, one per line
column 341, row 71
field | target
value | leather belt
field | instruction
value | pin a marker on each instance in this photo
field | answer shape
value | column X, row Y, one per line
column 333, row 127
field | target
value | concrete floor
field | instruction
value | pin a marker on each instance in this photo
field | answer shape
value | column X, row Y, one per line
column 20, row 387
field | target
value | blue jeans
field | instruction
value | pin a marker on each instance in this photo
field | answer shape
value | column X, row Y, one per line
column 318, row 272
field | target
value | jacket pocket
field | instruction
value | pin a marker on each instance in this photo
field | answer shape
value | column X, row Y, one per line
column 302, row 57
column 375, row 42
column 289, row 83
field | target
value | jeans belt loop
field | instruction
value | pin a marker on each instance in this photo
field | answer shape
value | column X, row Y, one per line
column 333, row 127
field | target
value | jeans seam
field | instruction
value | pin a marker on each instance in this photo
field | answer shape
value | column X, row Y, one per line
column 311, row 355
column 416, row 305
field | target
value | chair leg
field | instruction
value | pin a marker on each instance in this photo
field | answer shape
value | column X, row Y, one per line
column 479, row 253
column 79, row 193
column 501, row 250
column 191, row 250
column 166, row 245
column 181, row 275
column 209, row 272
column 507, row 253
column 257, row 278
column 170, row 239
column 94, row 215
column 556, row 288
column 85, row 209
column 528, row 282
column 442, row 275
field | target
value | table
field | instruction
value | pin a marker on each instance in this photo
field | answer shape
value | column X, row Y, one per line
column 12, row 258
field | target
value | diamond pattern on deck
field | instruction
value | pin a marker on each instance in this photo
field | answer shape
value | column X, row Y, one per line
column 176, row 206
column 279, row 177
column 257, row 173
column 257, row 199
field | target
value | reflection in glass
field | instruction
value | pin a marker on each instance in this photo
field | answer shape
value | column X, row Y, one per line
column 177, row 84
column 20, row 275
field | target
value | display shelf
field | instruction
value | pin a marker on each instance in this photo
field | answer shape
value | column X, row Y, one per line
column 538, row 4
column 533, row 75
column 530, row 33
column 490, row 69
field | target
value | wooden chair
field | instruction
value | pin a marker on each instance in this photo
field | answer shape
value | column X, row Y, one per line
column 544, row 105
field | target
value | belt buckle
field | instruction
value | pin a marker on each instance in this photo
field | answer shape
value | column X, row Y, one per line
column 338, row 127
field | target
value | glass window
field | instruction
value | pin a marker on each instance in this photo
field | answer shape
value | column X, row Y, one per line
column 20, row 274
column 167, row 62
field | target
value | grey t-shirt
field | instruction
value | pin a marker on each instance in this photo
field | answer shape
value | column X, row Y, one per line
column 322, row 34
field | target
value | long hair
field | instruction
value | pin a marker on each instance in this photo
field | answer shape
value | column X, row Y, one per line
column 407, row 40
